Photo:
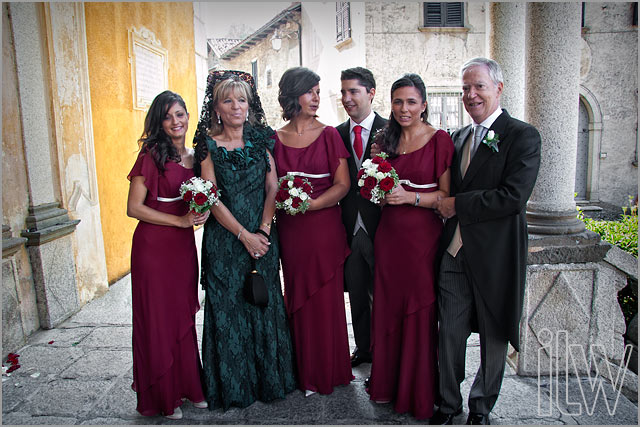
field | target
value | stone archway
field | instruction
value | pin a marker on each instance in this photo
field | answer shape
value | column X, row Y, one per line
column 591, row 106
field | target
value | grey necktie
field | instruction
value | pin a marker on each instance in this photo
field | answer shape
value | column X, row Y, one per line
column 477, row 137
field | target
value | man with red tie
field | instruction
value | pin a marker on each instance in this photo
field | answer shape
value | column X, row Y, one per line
column 360, row 216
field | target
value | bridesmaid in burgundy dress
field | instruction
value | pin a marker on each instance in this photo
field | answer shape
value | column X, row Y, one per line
column 164, row 265
column 404, row 319
column 314, row 244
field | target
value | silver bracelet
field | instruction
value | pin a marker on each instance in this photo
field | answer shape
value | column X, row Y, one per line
column 417, row 199
column 240, row 233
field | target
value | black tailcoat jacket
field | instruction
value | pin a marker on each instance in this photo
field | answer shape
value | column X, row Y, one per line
column 353, row 202
column 491, row 209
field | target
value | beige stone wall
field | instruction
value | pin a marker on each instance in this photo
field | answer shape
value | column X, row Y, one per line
column 397, row 44
column 268, row 58
column 610, row 72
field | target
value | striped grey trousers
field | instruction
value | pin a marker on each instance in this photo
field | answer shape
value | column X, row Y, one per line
column 460, row 307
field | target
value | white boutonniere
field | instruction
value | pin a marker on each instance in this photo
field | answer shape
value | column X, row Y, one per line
column 491, row 140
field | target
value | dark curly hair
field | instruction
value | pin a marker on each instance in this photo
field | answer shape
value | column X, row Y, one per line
column 154, row 140
column 206, row 125
column 389, row 137
column 295, row 82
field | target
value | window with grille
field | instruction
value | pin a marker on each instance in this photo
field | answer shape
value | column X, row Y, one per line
column 443, row 14
column 343, row 21
column 445, row 110
column 269, row 77
column 254, row 72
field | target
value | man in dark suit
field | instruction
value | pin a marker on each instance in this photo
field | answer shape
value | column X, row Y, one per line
column 484, row 242
column 360, row 216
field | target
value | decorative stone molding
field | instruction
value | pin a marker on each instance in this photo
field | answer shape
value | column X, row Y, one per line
column 47, row 222
column 10, row 244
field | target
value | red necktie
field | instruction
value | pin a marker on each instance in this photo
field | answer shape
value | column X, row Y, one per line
column 357, row 141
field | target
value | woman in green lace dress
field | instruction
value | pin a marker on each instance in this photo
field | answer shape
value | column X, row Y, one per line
column 246, row 349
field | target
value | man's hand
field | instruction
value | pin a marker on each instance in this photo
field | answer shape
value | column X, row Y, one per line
column 446, row 207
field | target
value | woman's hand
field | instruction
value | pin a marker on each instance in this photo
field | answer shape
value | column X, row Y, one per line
column 201, row 218
column 256, row 244
column 399, row 196
column 192, row 218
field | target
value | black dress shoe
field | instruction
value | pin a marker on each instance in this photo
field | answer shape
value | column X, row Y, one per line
column 441, row 419
column 476, row 418
column 358, row 359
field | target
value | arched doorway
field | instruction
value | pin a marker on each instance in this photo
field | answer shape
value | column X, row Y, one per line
column 582, row 156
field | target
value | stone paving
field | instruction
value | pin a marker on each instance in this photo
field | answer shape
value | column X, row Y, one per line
column 81, row 373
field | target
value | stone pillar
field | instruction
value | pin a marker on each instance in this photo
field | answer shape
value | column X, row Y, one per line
column 553, row 76
column 507, row 48
column 78, row 182
column 48, row 227
column 571, row 318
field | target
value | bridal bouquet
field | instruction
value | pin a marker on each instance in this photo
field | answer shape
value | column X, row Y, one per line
column 200, row 194
column 293, row 194
column 377, row 178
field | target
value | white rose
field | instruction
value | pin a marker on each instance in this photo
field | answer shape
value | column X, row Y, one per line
column 290, row 184
column 380, row 176
column 361, row 182
column 294, row 192
column 491, row 134
column 366, row 163
column 288, row 202
column 304, row 197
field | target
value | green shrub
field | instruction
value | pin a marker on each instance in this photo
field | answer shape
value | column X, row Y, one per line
column 622, row 233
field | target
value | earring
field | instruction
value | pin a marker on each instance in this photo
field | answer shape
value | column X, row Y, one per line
column 219, row 122
column 247, row 119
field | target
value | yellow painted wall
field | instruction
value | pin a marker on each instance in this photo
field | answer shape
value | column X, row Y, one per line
column 116, row 125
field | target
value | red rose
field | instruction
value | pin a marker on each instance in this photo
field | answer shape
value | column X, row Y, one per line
column 284, row 184
column 295, row 203
column 370, row 182
column 307, row 188
column 282, row 195
column 377, row 160
column 360, row 173
column 366, row 193
column 384, row 167
column 187, row 196
column 200, row 199
column 297, row 182
column 386, row 184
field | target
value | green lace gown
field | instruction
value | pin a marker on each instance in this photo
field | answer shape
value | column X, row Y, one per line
column 246, row 350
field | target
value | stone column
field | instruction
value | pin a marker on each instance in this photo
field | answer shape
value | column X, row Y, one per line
column 553, row 75
column 570, row 301
column 71, row 112
column 48, row 227
column 507, row 48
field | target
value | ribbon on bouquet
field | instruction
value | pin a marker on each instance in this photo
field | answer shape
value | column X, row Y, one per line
column 411, row 184
column 308, row 175
column 167, row 199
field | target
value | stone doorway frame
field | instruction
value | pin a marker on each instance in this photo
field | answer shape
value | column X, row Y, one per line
column 595, row 139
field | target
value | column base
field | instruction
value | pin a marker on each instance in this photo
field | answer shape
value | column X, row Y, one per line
column 554, row 223
column 50, row 247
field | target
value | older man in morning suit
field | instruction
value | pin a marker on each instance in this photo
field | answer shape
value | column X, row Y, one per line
column 484, row 242
column 360, row 217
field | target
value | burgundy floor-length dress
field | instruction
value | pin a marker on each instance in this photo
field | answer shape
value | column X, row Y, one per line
column 313, row 248
column 404, row 317
column 164, row 288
